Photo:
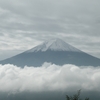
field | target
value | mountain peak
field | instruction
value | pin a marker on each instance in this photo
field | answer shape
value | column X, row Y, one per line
column 54, row 45
column 54, row 51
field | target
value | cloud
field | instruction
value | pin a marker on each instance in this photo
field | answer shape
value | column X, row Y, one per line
column 77, row 22
column 49, row 77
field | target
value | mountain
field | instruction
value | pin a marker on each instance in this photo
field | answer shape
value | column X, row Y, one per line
column 54, row 45
column 54, row 51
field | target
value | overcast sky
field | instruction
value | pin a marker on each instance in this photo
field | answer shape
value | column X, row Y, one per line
column 26, row 23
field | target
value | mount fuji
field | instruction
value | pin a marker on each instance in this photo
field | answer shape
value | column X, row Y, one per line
column 54, row 51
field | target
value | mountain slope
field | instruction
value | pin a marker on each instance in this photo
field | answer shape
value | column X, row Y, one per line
column 54, row 51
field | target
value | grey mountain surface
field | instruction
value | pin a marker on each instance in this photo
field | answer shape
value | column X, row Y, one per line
column 54, row 51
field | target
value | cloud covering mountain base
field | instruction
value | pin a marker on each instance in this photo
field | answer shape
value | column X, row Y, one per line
column 49, row 79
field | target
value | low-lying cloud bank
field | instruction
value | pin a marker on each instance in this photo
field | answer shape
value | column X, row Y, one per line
column 49, row 77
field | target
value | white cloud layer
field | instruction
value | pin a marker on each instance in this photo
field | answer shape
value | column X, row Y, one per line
column 49, row 77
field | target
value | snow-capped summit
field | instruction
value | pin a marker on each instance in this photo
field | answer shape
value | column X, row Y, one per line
column 54, row 45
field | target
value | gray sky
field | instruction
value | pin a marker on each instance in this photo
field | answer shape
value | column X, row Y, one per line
column 26, row 23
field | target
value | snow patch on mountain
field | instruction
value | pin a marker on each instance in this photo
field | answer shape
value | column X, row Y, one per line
column 54, row 45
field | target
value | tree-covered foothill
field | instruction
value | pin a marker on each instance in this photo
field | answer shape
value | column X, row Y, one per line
column 75, row 96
